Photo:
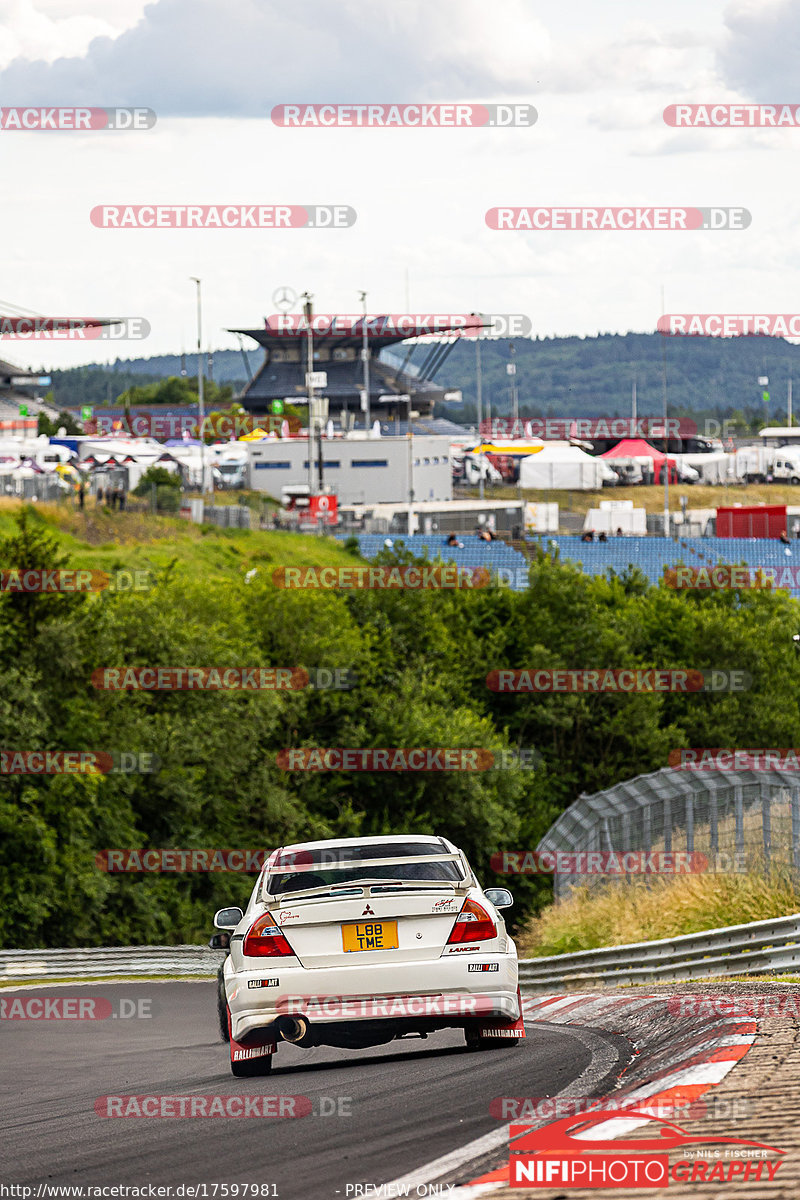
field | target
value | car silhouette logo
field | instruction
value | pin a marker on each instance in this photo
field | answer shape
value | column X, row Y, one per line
column 555, row 1138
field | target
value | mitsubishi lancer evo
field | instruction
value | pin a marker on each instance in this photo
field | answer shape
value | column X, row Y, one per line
column 353, row 942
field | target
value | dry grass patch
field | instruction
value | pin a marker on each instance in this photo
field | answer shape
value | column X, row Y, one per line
column 620, row 912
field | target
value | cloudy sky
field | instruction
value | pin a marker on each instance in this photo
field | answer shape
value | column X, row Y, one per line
column 599, row 75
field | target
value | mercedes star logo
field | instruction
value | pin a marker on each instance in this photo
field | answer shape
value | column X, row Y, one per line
column 284, row 298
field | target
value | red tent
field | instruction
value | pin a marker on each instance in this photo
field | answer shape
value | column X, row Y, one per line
column 639, row 448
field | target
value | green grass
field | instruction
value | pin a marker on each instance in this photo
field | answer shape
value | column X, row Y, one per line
column 620, row 913
column 107, row 541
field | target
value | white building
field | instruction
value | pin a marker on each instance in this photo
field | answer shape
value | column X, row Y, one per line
column 359, row 470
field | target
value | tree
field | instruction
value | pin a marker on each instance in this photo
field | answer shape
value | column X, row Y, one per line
column 157, row 477
column 64, row 421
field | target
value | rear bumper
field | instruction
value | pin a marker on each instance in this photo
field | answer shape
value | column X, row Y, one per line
column 437, row 994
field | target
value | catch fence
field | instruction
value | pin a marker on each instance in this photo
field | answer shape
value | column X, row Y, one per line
column 740, row 820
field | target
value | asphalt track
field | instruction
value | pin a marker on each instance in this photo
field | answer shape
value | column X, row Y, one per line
column 395, row 1107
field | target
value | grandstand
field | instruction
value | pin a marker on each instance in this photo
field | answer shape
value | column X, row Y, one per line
column 649, row 554
column 652, row 554
column 475, row 552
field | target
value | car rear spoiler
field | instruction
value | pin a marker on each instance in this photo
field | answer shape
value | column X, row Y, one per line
column 350, row 864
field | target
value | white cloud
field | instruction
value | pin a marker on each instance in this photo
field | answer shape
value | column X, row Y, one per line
column 201, row 58
column 26, row 32
column 761, row 54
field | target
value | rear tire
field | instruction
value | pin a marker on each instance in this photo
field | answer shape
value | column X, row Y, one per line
column 222, row 1005
column 476, row 1042
column 252, row 1067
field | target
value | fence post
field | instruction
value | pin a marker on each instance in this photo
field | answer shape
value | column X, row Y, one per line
column 738, row 799
column 668, row 825
column 796, row 829
column 690, row 823
column 713, row 824
column 766, row 824
column 626, row 831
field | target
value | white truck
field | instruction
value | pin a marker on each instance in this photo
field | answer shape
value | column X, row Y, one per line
column 768, row 464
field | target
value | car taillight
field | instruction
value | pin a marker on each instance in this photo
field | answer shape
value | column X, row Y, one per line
column 473, row 924
column 265, row 940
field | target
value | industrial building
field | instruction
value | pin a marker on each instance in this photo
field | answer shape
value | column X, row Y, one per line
column 360, row 470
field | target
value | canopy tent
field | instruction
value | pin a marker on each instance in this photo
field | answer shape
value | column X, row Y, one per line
column 559, row 465
column 641, row 451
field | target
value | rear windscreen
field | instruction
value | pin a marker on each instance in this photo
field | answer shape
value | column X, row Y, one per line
column 304, row 869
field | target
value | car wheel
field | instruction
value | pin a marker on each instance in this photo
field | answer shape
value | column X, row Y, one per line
column 252, row 1067
column 222, row 1005
column 475, row 1042
column 794, row 480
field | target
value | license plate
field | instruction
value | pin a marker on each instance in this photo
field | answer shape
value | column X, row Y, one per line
column 370, row 935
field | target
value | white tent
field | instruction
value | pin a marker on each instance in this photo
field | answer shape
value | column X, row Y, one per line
column 563, row 466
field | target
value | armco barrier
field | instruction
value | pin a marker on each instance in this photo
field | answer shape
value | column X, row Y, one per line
column 758, row 948
column 107, row 961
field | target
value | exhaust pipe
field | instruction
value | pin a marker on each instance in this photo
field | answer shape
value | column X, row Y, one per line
column 295, row 1030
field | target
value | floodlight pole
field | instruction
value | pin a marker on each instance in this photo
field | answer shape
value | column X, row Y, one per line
column 201, row 408
column 479, row 397
column 365, row 360
column 308, row 311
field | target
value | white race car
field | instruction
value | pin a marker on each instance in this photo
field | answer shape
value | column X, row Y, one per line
column 356, row 941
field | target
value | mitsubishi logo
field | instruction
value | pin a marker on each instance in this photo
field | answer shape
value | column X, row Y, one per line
column 368, row 912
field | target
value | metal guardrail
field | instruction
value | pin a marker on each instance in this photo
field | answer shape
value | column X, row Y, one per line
column 108, row 961
column 758, row 948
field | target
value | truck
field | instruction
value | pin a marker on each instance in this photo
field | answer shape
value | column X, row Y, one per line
column 768, row 464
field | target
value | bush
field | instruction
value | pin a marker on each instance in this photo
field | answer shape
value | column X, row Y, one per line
column 168, row 498
column 161, row 477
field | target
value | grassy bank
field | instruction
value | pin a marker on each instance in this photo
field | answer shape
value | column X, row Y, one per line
column 108, row 541
column 621, row 913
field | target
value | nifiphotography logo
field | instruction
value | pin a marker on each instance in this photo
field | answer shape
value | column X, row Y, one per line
column 565, row 1153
